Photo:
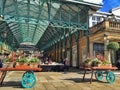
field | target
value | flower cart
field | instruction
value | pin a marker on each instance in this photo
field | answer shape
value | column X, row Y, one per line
column 28, row 78
column 100, row 72
column 102, row 67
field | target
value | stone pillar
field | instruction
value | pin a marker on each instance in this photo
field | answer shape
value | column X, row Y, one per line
column 106, row 51
column 55, row 52
column 91, row 49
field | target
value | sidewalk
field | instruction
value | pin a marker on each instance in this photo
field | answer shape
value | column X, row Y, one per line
column 71, row 80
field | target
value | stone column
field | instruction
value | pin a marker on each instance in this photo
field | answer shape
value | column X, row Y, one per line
column 106, row 51
column 91, row 49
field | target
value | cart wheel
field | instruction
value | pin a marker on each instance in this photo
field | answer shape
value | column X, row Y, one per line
column 99, row 75
column 110, row 77
column 28, row 72
column 28, row 80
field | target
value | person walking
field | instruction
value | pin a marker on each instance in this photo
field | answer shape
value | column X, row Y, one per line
column 66, row 64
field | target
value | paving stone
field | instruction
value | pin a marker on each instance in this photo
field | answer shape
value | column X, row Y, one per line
column 42, row 79
column 59, row 81
column 49, row 86
column 39, row 86
column 58, row 84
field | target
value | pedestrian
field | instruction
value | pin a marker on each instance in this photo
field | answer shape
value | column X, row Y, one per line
column 66, row 64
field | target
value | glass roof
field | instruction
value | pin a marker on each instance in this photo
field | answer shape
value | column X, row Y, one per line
column 43, row 22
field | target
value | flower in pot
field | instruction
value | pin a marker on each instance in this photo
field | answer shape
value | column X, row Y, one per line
column 7, row 63
column 96, row 62
column 7, row 59
column 106, row 63
column 87, row 62
column 21, row 61
column 34, row 62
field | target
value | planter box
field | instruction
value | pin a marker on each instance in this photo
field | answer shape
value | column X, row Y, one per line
column 107, row 65
column 33, row 65
column 87, row 65
column 21, row 64
column 99, row 65
column 8, row 64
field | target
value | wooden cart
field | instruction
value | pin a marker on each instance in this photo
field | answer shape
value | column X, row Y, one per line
column 28, row 78
column 100, row 72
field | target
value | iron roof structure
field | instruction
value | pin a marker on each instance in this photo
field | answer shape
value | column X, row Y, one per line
column 43, row 22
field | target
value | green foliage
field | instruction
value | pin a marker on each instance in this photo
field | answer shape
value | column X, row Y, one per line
column 22, row 60
column 96, row 61
column 33, row 60
column 105, row 62
column 7, row 59
column 113, row 46
column 87, row 61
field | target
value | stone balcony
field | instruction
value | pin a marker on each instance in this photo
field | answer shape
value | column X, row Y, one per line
column 105, row 26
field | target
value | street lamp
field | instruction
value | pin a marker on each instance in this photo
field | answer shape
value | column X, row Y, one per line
column 106, row 38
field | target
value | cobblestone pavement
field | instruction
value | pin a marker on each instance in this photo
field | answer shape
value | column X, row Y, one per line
column 59, row 81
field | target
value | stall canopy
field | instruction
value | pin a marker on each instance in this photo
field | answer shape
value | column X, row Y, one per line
column 43, row 22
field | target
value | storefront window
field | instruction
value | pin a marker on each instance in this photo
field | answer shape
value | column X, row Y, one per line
column 98, row 48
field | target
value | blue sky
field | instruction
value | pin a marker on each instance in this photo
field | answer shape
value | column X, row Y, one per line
column 110, row 4
column 107, row 4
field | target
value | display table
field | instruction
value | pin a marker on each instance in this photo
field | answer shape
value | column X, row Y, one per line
column 28, row 78
column 52, row 67
column 99, row 74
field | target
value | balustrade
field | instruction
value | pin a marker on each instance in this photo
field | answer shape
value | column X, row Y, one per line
column 105, row 26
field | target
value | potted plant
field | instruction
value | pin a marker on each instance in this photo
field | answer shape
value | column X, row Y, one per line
column 106, row 63
column 113, row 47
column 21, row 61
column 7, row 63
column 87, row 62
column 34, row 62
column 96, row 62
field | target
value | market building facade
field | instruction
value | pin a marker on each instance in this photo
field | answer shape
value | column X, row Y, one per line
column 104, row 28
column 60, row 29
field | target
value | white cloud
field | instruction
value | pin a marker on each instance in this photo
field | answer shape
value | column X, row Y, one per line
column 94, row 1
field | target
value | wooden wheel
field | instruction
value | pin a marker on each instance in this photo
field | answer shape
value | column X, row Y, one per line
column 99, row 75
column 110, row 77
column 28, row 80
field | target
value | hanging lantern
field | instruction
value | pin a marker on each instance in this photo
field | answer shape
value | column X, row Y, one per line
column 4, row 34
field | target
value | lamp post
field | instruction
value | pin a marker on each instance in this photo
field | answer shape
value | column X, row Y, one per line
column 106, row 52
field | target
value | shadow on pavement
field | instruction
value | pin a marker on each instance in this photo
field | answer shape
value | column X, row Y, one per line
column 79, row 80
column 14, row 84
